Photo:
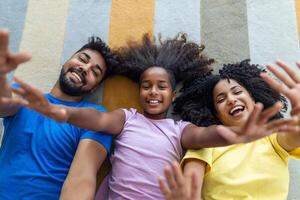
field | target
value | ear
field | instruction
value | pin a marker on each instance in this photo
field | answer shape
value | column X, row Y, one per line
column 173, row 95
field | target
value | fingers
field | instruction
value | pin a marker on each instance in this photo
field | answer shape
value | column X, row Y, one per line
column 4, row 39
column 274, row 84
column 283, row 125
column 178, row 174
column 26, row 90
column 295, row 110
column 288, row 69
column 13, row 101
column 287, row 80
column 254, row 116
column 269, row 112
column 18, row 58
column 194, row 187
column 164, row 188
column 170, row 178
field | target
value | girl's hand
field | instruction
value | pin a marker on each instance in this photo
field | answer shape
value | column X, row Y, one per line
column 177, row 186
column 258, row 125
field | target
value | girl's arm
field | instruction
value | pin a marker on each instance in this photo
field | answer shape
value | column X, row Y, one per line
column 256, row 127
column 88, row 118
column 183, row 186
column 290, row 87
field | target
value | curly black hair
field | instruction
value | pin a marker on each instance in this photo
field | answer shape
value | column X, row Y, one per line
column 95, row 43
column 195, row 104
column 178, row 56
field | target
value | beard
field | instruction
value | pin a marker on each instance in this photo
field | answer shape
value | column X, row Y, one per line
column 68, row 87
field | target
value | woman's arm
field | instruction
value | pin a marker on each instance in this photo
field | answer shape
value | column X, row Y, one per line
column 290, row 87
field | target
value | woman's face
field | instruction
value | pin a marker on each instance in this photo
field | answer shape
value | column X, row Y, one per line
column 232, row 102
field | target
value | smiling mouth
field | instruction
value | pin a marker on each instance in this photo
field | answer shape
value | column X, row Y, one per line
column 153, row 102
column 236, row 110
column 78, row 74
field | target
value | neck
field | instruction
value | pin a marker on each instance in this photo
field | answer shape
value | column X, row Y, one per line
column 56, row 92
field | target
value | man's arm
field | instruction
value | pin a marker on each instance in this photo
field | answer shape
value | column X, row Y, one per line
column 8, row 62
column 81, row 180
column 87, row 118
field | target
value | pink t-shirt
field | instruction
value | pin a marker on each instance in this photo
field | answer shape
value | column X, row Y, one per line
column 142, row 150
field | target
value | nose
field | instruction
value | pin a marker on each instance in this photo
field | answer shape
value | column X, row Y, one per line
column 84, row 68
column 153, row 90
column 231, row 100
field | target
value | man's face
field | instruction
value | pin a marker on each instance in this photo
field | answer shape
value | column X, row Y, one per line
column 82, row 73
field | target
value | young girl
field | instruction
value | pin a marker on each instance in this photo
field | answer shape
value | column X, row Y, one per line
column 256, row 170
column 145, row 143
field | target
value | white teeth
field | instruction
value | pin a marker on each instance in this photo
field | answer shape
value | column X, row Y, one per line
column 235, row 109
column 153, row 101
column 77, row 76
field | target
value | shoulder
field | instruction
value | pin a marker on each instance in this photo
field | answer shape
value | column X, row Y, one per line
column 92, row 105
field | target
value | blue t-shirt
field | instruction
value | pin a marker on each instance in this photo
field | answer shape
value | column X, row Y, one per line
column 37, row 152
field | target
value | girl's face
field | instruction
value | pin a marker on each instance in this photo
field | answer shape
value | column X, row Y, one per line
column 232, row 102
column 156, row 93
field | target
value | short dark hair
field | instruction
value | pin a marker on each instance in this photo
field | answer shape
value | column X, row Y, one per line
column 95, row 43
column 178, row 56
column 196, row 103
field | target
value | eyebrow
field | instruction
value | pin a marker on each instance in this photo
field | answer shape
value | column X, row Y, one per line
column 160, row 81
column 232, row 88
column 89, row 57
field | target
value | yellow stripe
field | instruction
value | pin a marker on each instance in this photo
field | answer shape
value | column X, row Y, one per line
column 129, row 19
column 297, row 4
column 43, row 36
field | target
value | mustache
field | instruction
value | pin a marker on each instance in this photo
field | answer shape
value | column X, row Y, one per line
column 80, row 72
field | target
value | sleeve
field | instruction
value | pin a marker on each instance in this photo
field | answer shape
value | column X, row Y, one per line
column 102, row 138
column 295, row 153
column 281, row 151
column 129, row 113
column 204, row 154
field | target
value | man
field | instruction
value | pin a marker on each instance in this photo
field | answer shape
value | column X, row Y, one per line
column 40, row 158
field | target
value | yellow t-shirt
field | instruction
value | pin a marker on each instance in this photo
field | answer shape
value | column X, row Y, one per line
column 256, row 170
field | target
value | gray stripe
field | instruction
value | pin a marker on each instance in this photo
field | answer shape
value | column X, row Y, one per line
column 12, row 17
column 172, row 17
column 273, row 31
column 86, row 19
column 273, row 35
column 224, row 30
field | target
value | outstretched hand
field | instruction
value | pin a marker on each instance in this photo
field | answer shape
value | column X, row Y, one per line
column 289, row 85
column 259, row 126
column 177, row 186
column 9, row 61
column 34, row 99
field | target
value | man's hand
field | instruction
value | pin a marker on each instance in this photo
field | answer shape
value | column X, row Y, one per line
column 9, row 61
column 35, row 100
